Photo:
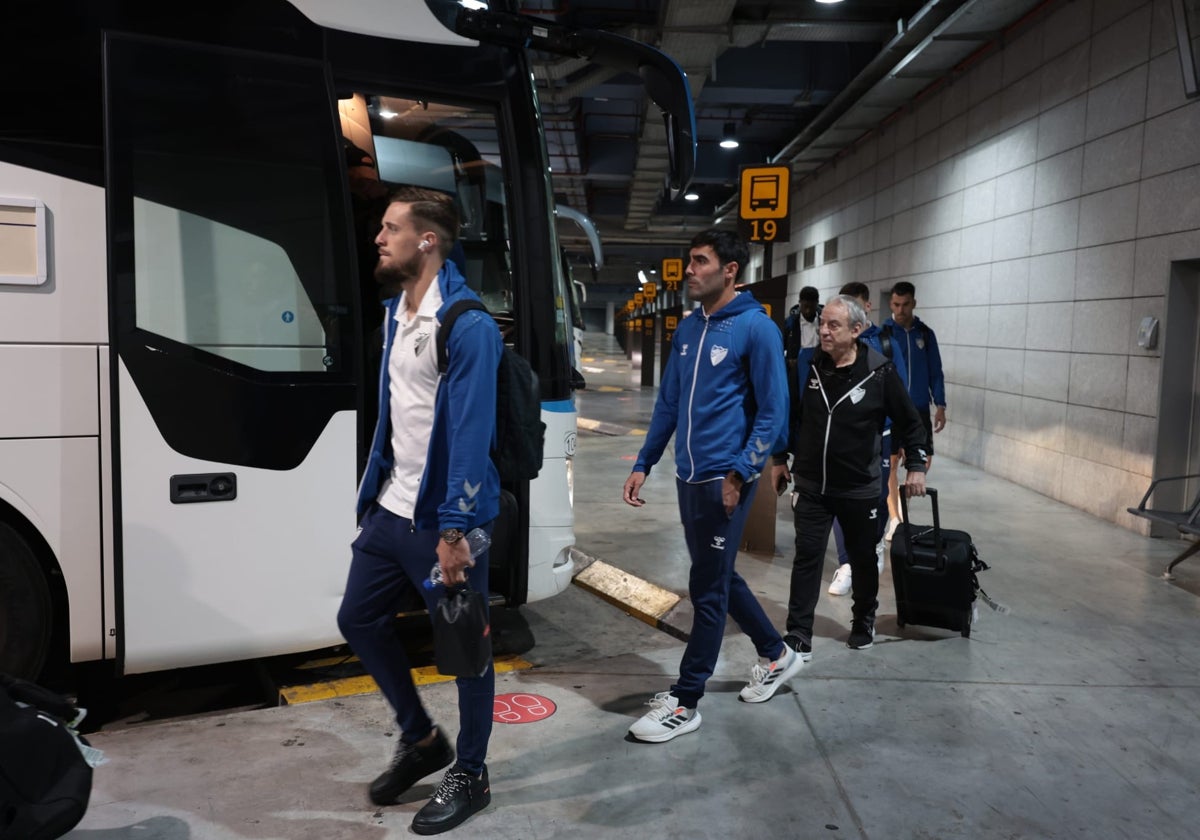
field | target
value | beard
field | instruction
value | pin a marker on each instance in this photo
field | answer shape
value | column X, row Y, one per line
column 391, row 277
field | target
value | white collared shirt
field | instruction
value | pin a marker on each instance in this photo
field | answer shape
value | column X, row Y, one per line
column 413, row 381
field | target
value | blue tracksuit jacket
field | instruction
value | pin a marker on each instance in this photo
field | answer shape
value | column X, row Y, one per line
column 460, row 487
column 723, row 395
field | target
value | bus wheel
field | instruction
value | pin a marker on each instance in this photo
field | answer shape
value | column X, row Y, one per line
column 25, row 610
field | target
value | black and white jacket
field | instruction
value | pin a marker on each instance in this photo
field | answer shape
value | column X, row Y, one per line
column 837, row 421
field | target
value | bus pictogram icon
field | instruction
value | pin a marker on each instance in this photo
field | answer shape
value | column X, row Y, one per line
column 764, row 192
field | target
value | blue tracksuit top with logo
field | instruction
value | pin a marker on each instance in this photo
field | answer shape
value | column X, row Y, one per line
column 920, row 348
column 723, row 395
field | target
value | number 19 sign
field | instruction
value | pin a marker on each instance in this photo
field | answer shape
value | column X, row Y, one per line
column 764, row 207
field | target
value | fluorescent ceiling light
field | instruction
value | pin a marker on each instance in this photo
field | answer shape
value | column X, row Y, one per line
column 692, row 196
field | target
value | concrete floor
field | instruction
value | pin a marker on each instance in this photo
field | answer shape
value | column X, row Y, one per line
column 1075, row 715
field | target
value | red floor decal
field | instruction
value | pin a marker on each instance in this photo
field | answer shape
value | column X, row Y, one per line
column 522, row 708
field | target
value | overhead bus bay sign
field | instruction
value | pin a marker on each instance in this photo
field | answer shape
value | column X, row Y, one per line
column 763, row 209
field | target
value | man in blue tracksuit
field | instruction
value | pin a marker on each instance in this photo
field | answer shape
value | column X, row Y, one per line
column 428, row 480
column 724, row 397
column 912, row 338
column 906, row 334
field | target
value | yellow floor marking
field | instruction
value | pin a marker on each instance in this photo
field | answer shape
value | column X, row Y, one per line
column 352, row 686
column 640, row 598
column 585, row 423
column 609, row 388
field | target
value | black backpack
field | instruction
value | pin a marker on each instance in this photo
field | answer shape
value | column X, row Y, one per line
column 520, row 432
column 45, row 782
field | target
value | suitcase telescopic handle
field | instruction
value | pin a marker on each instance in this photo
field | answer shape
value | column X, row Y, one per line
column 937, row 524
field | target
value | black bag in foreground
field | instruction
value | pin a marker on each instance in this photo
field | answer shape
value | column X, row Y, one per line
column 933, row 570
column 45, row 781
column 462, row 636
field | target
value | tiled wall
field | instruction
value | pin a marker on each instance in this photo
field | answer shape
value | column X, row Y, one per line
column 1036, row 203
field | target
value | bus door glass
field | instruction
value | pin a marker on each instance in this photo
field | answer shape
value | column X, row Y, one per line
column 235, row 340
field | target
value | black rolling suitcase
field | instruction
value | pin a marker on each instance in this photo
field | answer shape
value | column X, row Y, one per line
column 933, row 571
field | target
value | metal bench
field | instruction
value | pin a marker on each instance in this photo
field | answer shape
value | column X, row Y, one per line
column 1186, row 522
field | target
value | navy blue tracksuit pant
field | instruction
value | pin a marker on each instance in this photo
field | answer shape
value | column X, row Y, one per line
column 714, row 587
column 390, row 559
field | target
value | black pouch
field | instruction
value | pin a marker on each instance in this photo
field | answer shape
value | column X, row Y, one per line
column 462, row 636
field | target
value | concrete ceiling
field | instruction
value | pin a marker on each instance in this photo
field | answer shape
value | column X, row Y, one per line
column 799, row 81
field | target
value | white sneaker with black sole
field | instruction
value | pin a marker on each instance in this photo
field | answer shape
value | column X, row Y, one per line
column 842, row 580
column 665, row 720
column 765, row 680
column 879, row 555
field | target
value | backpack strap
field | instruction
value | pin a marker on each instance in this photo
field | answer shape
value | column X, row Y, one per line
column 443, row 334
column 885, row 340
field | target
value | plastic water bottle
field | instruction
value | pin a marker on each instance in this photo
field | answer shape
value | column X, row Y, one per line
column 477, row 541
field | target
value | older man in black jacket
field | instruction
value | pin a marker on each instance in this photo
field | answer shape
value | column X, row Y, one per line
column 837, row 424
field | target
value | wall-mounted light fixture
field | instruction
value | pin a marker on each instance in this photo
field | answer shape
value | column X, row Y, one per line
column 729, row 139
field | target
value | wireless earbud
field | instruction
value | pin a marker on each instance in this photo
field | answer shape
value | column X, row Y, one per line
column 424, row 246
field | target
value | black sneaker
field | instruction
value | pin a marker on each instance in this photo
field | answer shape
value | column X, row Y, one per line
column 458, row 796
column 802, row 648
column 409, row 765
column 862, row 634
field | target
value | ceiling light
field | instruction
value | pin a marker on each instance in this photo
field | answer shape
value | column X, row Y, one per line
column 387, row 113
column 829, row 2
column 730, row 138
column 691, row 196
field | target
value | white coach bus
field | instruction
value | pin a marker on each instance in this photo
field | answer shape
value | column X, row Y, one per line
column 188, row 194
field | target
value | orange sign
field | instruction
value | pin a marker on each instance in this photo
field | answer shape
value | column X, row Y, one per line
column 763, row 203
column 672, row 322
column 672, row 271
column 650, row 290
column 639, row 299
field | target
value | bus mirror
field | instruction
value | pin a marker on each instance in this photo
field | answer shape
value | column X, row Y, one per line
column 666, row 83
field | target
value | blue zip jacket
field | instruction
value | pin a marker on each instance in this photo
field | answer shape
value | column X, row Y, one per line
column 920, row 348
column 723, row 395
column 460, row 487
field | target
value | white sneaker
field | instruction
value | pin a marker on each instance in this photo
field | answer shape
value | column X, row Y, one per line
column 893, row 523
column 840, row 585
column 665, row 720
column 766, row 679
column 879, row 555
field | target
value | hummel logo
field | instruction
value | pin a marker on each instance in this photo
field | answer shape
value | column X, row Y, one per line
column 465, row 506
column 719, row 543
column 419, row 343
column 814, row 385
column 683, row 350
column 873, row 512
column 471, row 491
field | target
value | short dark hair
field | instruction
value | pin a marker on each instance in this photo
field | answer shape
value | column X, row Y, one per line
column 856, row 290
column 435, row 209
column 904, row 288
column 810, row 293
column 727, row 245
